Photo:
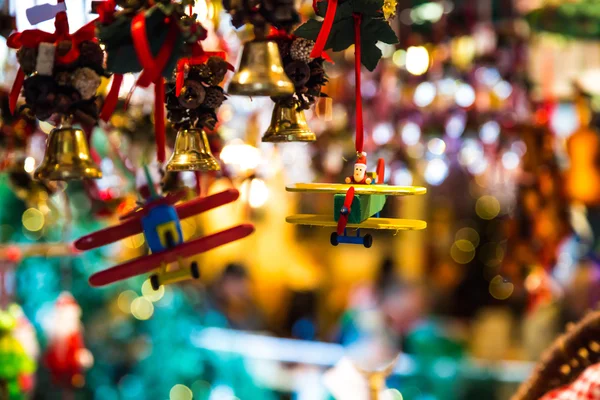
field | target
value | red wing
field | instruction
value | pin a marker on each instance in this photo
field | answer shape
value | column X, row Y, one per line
column 202, row 204
column 343, row 221
column 108, row 235
column 146, row 264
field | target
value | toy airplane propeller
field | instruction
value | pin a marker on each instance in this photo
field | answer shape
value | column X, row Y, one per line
column 357, row 205
column 160, row 222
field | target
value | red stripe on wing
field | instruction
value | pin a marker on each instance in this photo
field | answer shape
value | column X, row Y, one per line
column 109, row 235
column 146, row 264
column 202, row 204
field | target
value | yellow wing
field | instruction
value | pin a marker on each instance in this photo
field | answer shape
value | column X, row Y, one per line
column 336, row 188
column 394, row 224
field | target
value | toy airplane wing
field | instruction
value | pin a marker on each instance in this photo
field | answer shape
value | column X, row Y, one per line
column 202, row 204
column 336, row 188
column 393, row 224
column 112, row 234
column 146, row 264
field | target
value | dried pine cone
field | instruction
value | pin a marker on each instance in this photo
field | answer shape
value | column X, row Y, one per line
column 214, row 97
column 27, row 58
column 199, row 73
column 192, row 94
column 86, row 81
column 91, row 54
column 218, row 68
column 301, row 49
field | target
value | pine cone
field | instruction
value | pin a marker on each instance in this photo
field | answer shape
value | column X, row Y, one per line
column 298, row 72
column 86, row 81
column 199, row 73
column 214, row 97
column 301, row 49
column 91, row 54
column 218, row 68
column 27, row 58
column 192, row 94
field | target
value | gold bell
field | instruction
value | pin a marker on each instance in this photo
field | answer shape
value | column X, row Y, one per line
column 192, row 152
column 260, row 72
column 288, row 124
column 67, row 157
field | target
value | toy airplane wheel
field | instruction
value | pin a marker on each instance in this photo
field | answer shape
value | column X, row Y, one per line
column 154, row 282
column 195, row 270
column 368, row 241
column 333, row 239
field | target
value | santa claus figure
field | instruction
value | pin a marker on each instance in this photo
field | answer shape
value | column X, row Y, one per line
column 360, row 171
column 66, row 355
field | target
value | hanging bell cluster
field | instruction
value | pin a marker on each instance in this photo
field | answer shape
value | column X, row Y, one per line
column 192, row 152
column 288, row 124
column 67, row 157
column 260, row 72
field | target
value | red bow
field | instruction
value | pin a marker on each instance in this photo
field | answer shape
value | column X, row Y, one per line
column 33, row 37
column 199, row 56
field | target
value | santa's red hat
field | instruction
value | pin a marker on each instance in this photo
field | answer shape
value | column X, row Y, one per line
column 361, row 159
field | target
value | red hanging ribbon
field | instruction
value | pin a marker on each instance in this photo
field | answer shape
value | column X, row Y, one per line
column 159, row 118
column 110, row 102
column 358, row 94
column 106, row 11
column 152, row 73
column 325, row 29
column 152, row 67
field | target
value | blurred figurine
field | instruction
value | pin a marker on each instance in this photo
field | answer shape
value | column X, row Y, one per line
column 360, row 171
column 66, row 356
column 16, row 366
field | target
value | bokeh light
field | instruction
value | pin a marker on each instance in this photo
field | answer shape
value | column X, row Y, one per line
column 33, row 219
column 487, row 207
column 125, row 299
column 180, row 392
column 417, row 60
column 149, row 293
column 142, row 308
column 500, row 288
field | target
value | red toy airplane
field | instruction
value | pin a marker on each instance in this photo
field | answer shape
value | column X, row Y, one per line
column 159, row 221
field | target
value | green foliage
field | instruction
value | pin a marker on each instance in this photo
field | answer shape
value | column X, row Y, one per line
column 572, row 19
column 119, row 43
column 374, row 28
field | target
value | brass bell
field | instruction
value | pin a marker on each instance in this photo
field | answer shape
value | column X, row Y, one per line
column 288, row 124
column 260, row 72
column 192, row 152
column 67, row 157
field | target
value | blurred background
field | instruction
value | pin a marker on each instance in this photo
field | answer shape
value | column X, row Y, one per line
column 490, row 104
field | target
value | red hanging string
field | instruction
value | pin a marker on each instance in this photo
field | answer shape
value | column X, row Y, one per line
column 357, row 62
column 325, row 29
column 110, row 102
column 159, row 118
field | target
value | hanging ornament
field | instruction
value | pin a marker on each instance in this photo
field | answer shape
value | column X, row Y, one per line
column 335, row 31
column 17, row 368
column 288, row 123
column 66, row 356
column 59, row 74
column 260, row 71
column 159, row 34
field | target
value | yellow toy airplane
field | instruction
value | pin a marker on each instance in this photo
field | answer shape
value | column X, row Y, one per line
column 357, row 205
